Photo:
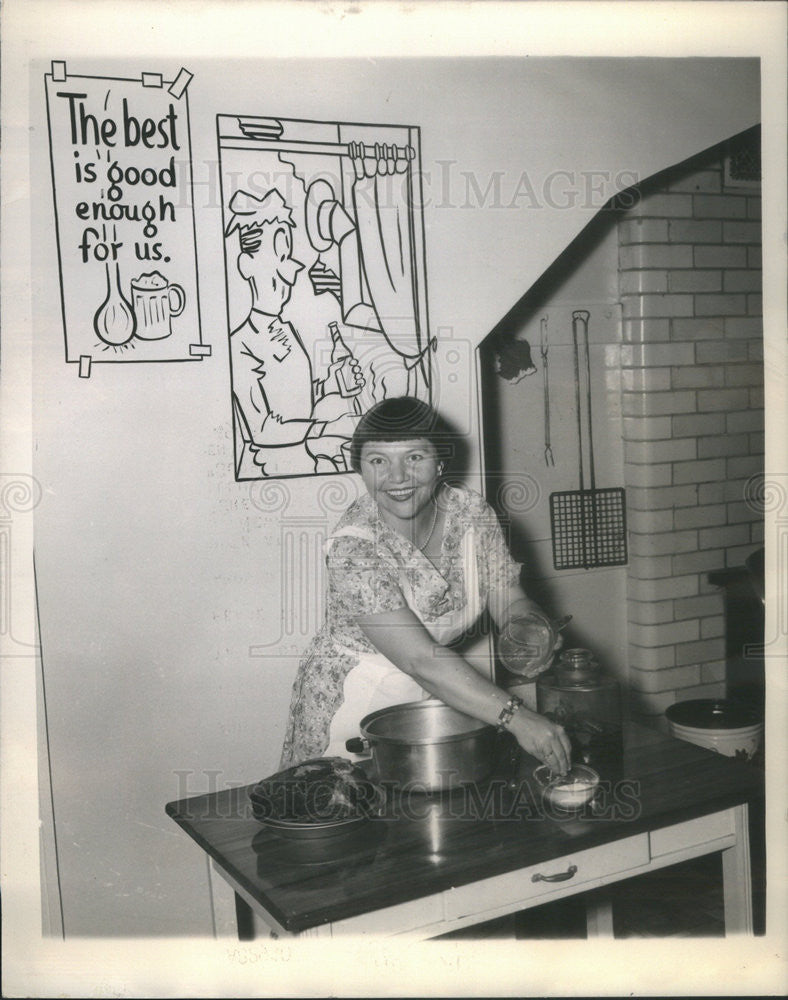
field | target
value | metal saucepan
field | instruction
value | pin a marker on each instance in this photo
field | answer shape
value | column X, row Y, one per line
column 426, row 746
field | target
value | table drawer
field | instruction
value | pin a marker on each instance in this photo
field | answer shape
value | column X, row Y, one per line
column 597, row 864
column 692, row 834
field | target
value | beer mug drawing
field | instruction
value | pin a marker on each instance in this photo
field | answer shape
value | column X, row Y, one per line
column 155, row 303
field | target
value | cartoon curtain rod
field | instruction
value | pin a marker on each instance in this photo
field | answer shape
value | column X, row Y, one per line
column 265, row 133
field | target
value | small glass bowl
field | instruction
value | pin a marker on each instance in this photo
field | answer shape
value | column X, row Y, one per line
column 568, row 791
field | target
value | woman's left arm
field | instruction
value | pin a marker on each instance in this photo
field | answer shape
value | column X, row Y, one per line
column 506, row 598
column 506, row 603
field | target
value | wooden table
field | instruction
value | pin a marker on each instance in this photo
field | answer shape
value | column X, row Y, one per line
column 431, row 865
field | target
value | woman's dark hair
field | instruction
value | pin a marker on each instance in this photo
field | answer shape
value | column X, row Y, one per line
column 402, row 418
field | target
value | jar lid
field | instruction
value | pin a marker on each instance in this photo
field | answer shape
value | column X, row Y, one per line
column 578, row 658
column 563, row 681
column 710, row 713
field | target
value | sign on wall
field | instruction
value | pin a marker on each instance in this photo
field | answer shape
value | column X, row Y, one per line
column 121, row 174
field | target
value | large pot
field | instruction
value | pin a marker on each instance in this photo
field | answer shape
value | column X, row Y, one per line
column 426, row 746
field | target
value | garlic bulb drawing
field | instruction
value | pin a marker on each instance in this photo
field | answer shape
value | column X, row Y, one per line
column 114, row 321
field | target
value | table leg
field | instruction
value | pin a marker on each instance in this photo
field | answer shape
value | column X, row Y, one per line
column 252, row 926
column 223, row 909
column 599, row 917
column 233, row 912
column 244, row 918
column 737, row 877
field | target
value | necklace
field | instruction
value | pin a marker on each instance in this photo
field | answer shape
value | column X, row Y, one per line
column 426, row 541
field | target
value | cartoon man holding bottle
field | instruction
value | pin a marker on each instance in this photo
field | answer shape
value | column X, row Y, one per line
column 293, row 423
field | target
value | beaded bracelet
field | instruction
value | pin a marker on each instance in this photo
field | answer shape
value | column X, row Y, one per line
column 505, row 718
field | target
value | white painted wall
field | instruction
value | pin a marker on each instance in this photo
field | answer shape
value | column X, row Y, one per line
column 514, row 418
column 157, row 574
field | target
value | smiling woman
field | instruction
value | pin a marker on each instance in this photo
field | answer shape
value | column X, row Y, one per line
column 401, row 477
column 411, row 567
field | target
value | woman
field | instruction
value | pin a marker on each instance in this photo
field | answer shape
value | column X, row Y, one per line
column 411, row 567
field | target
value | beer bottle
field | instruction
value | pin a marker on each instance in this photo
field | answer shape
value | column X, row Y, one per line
column 341, row 352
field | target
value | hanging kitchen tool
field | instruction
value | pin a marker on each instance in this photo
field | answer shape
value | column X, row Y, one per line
column 548, row 451
column 588, row 525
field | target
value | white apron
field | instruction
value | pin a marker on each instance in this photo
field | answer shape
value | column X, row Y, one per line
column 375, row 682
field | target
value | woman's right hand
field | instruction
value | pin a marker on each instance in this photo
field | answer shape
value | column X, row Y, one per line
column 543, row 739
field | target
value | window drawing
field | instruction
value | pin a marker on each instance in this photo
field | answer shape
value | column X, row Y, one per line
column 326, row 285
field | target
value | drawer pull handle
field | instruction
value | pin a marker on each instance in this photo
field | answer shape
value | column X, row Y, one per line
column 560, row 877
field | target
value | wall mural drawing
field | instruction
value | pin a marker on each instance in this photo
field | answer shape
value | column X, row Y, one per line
column 326, row 285
column 121, row 166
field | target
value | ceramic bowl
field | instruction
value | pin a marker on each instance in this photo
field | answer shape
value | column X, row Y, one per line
column 719, row 725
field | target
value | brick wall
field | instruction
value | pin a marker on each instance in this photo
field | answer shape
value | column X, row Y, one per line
column 692, row 382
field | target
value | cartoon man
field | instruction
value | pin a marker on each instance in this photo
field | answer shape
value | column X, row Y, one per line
column 295, row 423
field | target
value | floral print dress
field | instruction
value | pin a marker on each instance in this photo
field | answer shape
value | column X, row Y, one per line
column 371, row 569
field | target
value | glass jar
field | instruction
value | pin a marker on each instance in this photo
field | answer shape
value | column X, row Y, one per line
column 587, row 703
